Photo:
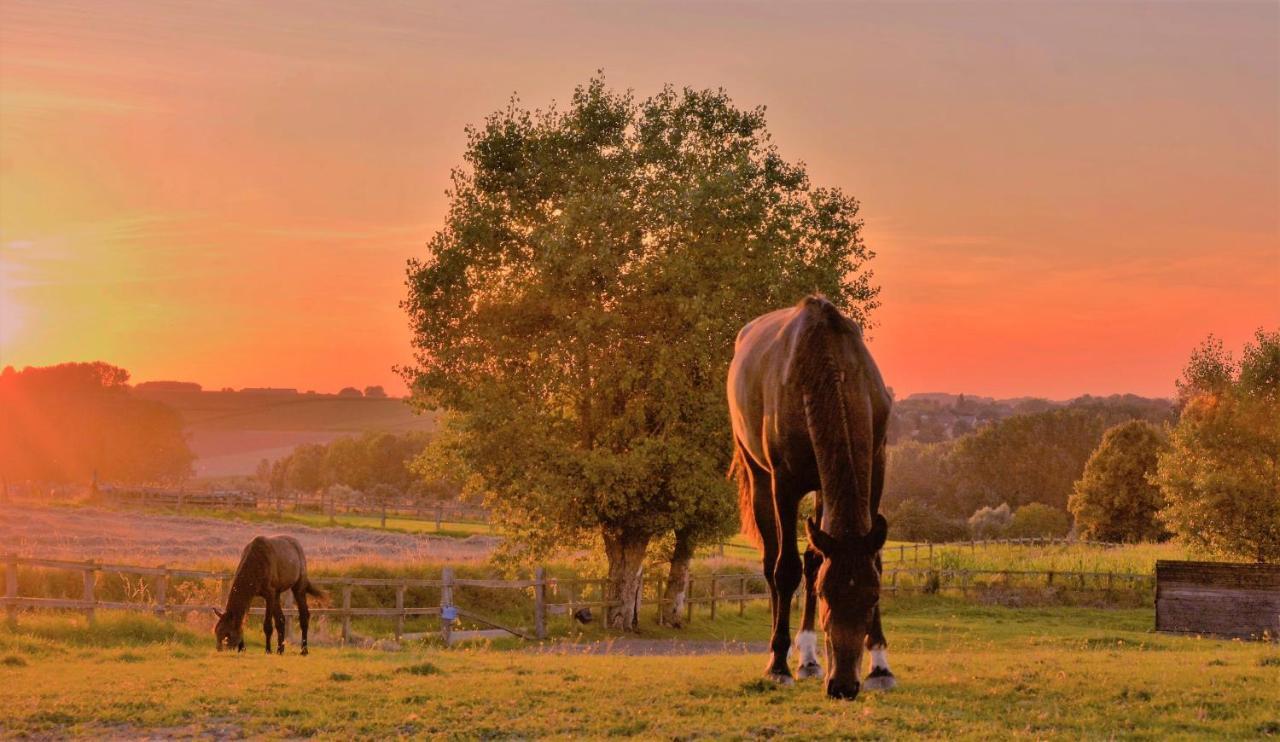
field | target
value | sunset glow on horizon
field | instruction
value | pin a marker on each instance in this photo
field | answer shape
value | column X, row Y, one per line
column 1063, row 199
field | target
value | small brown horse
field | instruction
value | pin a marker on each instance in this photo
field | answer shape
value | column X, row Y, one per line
column 268, row 567
column 809, row 411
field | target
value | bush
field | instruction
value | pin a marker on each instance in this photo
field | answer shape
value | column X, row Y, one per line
column 1113, row 500
column 1038, row 520
column 989, row 522
column 913, row 520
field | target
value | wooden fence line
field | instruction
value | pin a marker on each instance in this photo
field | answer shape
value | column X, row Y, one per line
column 550, row 595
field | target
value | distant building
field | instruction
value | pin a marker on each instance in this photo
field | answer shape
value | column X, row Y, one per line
column 271, row 390
column 168, row 386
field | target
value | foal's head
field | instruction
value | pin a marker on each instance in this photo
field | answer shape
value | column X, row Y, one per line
column 849, row 587
column 229, row 631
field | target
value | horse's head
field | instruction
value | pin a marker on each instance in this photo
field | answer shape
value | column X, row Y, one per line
column 228, row 631
column 849, row 587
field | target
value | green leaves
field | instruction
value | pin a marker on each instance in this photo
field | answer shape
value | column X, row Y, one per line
column 577, row 312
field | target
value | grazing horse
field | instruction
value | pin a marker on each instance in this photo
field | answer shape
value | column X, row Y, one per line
column 268, row 567
column 809, row 411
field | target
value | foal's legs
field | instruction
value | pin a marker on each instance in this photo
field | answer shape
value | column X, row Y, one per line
column 304, row 613
column 807, row 638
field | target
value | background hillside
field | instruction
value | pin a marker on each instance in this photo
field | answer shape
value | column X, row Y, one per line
column 231, row 431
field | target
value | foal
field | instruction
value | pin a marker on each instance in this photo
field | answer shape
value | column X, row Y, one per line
column 268, row 567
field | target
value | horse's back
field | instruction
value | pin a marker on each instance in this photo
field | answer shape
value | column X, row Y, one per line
column 757, row 378
column 288, row 563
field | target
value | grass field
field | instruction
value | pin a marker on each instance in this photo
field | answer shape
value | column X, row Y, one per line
column 965, row 672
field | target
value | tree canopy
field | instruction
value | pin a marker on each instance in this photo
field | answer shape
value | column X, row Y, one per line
column 1114, row 499
column 70, row 422
column 577, row 311
column 1220, row 475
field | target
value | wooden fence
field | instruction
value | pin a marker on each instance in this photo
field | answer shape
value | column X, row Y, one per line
column 162, row 497
column 547, row 596
column 1218, row 598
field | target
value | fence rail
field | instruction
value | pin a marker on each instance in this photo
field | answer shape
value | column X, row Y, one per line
column 550, row 596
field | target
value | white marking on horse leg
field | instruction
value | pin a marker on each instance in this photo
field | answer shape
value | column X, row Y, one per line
column 881, row 678
column 807, row 645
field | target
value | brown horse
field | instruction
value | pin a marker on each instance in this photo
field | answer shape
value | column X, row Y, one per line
column 809, row 411
column 268, row 567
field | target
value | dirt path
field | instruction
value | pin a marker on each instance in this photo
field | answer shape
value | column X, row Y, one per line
column 654, row 647
column 145, row 539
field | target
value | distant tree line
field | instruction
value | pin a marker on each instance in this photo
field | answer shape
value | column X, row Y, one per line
column 1206, row 469
column 74, row 422
column 378, row 465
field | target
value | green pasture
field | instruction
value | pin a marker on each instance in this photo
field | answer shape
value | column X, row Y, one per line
column 965, row 671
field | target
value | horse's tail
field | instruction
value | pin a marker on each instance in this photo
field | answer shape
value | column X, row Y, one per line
column 837, row 409
column 316, row 592
column 746, row 499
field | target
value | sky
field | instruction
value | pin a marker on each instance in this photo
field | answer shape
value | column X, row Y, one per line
column 1064, row 198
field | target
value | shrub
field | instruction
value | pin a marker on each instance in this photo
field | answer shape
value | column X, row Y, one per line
column 913, row 520
column 989, row 522
column 1038, row 520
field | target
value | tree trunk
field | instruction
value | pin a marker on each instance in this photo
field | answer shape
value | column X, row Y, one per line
column 678, row 581
column 625, row 552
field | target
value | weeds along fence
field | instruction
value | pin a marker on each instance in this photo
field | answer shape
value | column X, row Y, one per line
column 522, row 608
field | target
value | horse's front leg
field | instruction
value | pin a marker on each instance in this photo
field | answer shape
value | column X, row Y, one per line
column 274, row 609
column 266, row 626
column 881, row 678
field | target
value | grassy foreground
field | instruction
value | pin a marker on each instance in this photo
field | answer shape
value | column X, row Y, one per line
column 966, row 672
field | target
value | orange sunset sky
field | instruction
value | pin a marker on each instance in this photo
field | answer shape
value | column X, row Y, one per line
column 1065, row 198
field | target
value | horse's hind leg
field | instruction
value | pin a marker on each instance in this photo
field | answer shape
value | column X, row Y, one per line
column 807, row 638
column 304, row 614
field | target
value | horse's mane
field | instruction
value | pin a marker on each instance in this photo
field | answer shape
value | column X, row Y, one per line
column 835, row 427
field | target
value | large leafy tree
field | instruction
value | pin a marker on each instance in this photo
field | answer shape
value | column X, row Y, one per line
column 1221, row 473
column 577, row 311
column 1114, row 500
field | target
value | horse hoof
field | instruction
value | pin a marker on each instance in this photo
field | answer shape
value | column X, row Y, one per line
column 809, row 670
column 879, row 679
column 781, row 678
column 304, row 651
column 280, row 651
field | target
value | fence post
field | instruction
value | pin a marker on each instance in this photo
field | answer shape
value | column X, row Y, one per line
column 439, row 516
column 902, row 552
column 11, row 588
column 714, row 591
column 540, row 602
column 688, row 601
column 162, row 592
column 742, row 595
column 446, row 603
column 657, row 590
column 89, row 579
column 346, row 614
column 930, row 553
column 400, row 610
column 571, row 589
